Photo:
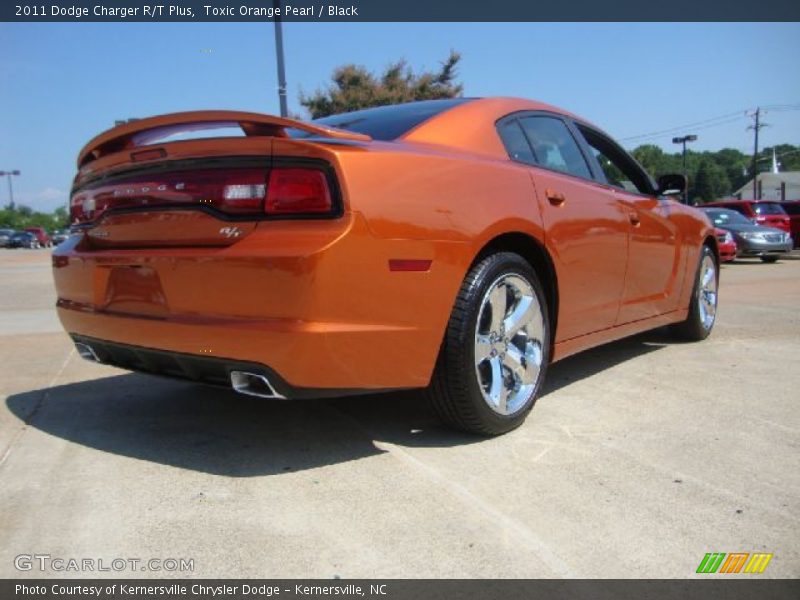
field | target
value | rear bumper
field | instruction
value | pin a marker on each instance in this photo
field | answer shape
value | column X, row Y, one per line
column 208, row 370
column 314, row 304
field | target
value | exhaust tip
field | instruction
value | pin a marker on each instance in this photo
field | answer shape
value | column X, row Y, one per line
column 86, row 351
column 253, row 384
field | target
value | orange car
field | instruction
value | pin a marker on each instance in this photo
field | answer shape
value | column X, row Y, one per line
column 456, row 245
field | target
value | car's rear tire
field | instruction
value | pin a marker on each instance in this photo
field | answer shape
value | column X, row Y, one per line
column 703, row 304
column 496, row 348
column 769, row 258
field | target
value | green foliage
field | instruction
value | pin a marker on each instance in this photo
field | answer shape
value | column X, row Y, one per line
column 788, row 157
column 711, row 182
column 354, row 87
column 715, row 175
column 23, row 216
column 656, row 161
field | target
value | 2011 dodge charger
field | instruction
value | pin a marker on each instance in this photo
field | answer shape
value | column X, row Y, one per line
column 457, row 245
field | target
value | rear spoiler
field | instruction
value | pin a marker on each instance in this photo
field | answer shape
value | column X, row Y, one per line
column 144, row 131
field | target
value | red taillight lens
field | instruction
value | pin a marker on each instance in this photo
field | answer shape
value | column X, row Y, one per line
column 295, row 191
column 245, row 191
column 232, row 191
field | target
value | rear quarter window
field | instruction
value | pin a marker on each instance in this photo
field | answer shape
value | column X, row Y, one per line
column 515, row 142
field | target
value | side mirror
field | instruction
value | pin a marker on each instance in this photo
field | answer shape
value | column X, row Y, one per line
column 672, row 185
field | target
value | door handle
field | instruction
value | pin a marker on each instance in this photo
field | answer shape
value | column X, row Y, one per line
column 634, row 219
column 555, row 198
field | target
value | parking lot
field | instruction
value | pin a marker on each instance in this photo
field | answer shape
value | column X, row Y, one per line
column 640, row 457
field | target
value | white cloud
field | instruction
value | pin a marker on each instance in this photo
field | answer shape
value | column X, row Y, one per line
column 50, row 194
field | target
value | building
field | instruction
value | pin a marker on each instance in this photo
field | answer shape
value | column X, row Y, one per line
column 772, row 186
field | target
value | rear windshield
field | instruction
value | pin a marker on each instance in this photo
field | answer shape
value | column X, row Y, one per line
column 386, row 122
column 768, row 208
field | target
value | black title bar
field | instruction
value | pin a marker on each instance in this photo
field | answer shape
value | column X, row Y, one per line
column 402, row 10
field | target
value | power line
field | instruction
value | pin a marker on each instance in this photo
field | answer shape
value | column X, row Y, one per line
column 710, row 122
column 695, row 125
column 781, row 107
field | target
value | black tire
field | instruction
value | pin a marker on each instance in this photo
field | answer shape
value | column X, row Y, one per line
column 770, row 258
column 694, row 329
column 455, row 392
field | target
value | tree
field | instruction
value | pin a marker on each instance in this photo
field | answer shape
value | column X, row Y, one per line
column 711, row 182
column 61, row 217
column 788, row 158
column 735, row 164
column 354, row 87
column 656, row 161
column 23, row 216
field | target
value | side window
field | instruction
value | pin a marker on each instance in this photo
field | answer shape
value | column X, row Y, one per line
column 514, row 140
column 553, row 145
column 620, row 170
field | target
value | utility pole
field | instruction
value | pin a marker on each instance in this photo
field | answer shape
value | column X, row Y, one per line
column 279, row 53
column 683, row 140
column 10, row 188
column 755, row 127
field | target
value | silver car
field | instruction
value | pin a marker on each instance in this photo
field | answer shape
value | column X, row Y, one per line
column 767, row 243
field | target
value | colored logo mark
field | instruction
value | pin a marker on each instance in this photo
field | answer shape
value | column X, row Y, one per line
column 735, row 562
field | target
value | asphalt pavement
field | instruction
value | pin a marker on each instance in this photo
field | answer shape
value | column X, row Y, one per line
column 640, row 457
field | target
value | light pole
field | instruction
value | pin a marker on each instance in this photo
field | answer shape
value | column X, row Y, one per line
column 682, row 140
column 10, row 188
column 281, row 69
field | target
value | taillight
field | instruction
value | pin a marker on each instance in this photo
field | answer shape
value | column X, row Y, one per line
column 232, row 191
column 251, row 191
column 294, row 191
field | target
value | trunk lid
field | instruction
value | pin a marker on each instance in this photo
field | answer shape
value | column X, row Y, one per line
column 139, row 186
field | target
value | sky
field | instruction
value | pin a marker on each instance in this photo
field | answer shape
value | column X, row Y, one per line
column 62, row 83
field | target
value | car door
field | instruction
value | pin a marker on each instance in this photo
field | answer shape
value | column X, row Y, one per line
column 654, row 248
column 586, row 226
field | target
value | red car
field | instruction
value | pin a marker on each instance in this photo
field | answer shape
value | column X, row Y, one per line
column 792, row 208
column 761, row 212
column 41, row 236
column 726, row 244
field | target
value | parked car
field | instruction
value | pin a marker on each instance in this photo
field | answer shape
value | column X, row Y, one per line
column 792, row 208
column 767, row 243
column 760, row 212
column 41, row 236
column 5, row 235
column 456, row 245
column 727, row 245
column 23, row 239
column 59, row 235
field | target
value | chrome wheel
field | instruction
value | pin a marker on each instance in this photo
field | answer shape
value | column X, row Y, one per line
column 707, row 296
column 508, row 343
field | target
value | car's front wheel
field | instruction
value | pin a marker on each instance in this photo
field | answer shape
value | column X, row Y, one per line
column 703, row 307
column 769, row 258
column 496, row 348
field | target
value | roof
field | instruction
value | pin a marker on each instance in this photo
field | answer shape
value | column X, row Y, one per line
column 790, row 178
column 471, row 125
